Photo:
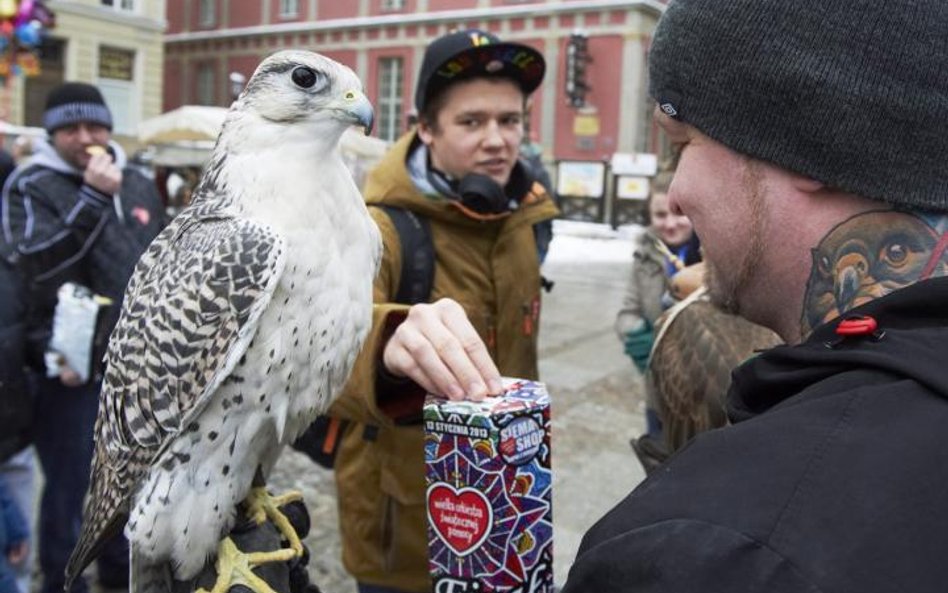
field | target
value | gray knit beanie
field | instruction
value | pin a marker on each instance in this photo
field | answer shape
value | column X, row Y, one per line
column 74, row 102
column 852, row 93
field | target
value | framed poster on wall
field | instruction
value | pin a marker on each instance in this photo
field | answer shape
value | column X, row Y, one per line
column 629, row 187
column 581, row 179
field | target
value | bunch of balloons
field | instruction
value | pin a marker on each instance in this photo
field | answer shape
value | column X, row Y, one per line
column 23, row 23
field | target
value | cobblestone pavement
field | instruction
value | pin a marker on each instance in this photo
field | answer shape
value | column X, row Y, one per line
column 597, row 407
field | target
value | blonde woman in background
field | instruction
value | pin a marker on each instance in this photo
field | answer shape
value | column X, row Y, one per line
column 667, row 246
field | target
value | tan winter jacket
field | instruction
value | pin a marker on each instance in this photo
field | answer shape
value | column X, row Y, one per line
column 647, row 283
column 491, row 269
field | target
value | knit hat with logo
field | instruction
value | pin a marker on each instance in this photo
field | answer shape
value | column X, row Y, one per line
column 74, row 102
column 852, row 93
column 473, row 53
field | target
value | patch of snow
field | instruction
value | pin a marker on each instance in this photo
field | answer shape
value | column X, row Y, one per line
column 576, row 241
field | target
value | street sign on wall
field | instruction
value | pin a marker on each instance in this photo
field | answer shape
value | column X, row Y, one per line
column 631, row 188
column 581, row 179
column 638, row 164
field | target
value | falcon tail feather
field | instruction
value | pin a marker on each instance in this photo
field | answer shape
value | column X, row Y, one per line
column 113, row 514
column 145, row 576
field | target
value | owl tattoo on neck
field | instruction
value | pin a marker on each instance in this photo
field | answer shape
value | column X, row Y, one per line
column 867, row 257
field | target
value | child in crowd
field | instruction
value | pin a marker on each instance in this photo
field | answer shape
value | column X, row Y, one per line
column 13, row 540
column 668, row 246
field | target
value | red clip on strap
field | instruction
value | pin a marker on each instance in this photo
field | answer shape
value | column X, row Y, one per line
column 861, row 325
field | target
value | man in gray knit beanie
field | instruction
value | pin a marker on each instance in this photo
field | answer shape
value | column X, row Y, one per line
column 74, row 213
column 814, row 166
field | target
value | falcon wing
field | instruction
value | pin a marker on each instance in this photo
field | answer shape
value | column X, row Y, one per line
column 191, row 309
column 691, row 366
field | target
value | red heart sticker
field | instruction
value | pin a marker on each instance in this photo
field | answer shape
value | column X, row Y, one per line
column 461, row 518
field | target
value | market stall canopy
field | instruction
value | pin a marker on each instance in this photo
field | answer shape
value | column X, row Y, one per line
column 190, row 123
column 8, row 129
column 185, row 137
column 193, row 153
column 11, row 135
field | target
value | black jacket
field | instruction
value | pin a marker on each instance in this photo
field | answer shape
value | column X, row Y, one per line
column 16, row 406
column 64, row 230
column 834, row 477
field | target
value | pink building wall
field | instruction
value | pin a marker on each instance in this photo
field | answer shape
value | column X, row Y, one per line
column 605, row 74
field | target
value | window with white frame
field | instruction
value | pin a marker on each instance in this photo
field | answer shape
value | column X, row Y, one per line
column 207, row 12
column 389, row 104
column 205, row 85
column 116, row 80
column 289, row 8
column 393, row 5
column 123, row 5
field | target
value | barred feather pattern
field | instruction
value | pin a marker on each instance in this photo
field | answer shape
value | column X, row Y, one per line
column 186, row 315
column 690, row 368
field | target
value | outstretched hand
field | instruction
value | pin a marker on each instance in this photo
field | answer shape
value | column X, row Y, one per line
column 438, row 348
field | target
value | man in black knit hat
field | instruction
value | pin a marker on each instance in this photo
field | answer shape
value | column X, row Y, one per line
column 813, row 139
column 74, row 213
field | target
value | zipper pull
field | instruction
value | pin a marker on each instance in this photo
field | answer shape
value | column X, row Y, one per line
column 117, row 202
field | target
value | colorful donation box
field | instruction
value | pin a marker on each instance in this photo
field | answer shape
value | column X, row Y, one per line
column 490, row 518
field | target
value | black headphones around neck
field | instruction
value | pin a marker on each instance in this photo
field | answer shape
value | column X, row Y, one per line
column 480, row 193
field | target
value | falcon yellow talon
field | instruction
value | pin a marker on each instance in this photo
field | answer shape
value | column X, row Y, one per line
column 261, row 506
column 236, row 568
column 286, row 498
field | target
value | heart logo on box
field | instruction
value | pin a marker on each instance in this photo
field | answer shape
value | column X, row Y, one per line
column 462, row 518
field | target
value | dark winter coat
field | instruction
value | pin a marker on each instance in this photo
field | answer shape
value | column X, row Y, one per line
column 831, row 480
column 65, row 230
column 16, row 408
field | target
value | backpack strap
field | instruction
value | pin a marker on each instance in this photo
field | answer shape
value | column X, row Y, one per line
column 418, row 257
column 320, row 441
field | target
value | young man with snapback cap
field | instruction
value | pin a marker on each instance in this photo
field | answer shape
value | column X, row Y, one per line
column 814, row 138
column 458, row 171
column 74, row 213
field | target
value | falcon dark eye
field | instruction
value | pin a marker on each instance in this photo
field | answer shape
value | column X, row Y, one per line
column 896, row 253
column 305, row 77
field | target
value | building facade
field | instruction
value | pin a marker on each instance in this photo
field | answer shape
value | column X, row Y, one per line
column 117, row 45
column 211, row 42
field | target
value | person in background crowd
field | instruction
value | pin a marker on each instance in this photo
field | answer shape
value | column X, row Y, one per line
column 667, row 246
column 16, row 397
column 74, row 213
column 22, row 148
column 813, row 138
column 7, row 165
column 531, row 153
column 13, row 540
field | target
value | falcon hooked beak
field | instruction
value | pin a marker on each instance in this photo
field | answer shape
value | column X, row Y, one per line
column 852, row 274
column 355, row 107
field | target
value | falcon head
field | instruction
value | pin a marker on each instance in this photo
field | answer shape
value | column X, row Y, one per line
column 301, row 93
column 863, row 258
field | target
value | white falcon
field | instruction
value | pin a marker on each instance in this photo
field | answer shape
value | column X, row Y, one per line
column 240, row 324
